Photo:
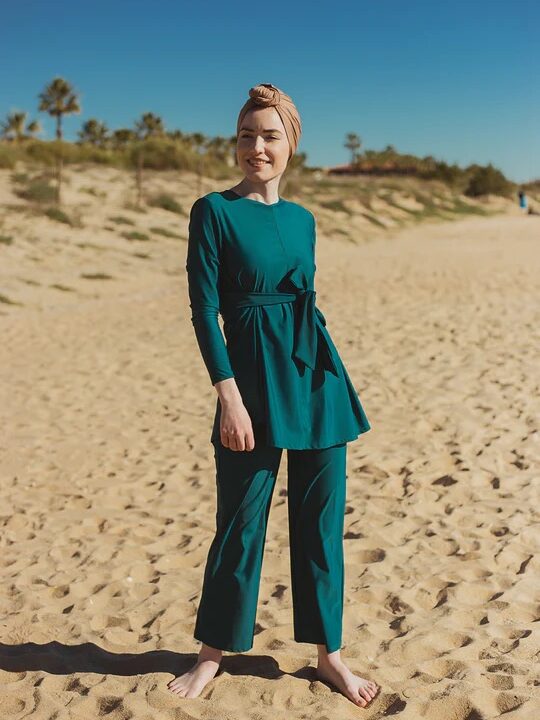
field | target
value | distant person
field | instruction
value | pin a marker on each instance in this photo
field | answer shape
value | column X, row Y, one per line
column 523, row 202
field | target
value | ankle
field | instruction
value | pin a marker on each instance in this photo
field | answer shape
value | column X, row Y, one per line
column 328, row 657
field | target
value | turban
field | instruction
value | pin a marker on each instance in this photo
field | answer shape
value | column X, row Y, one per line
column 267, row 95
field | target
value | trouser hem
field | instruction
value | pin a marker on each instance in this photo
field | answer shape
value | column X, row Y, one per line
column 330, row 647
column 228, row 647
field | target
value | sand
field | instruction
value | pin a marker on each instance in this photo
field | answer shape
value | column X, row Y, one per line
column 108, row 497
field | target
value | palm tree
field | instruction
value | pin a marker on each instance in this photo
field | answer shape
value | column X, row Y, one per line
column 59, row 99
column 353, row 143
column 13, row 130
column 13, row 127
column 122, row 137
column 219, row 146
column 148, row 126
column 175, row 135
column 94, row 132
column 34, row 128
column 199, row 143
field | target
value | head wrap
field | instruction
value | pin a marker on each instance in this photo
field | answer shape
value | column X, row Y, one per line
column 267, row 95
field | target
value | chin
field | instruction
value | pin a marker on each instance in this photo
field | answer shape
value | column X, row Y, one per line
column 249, row 170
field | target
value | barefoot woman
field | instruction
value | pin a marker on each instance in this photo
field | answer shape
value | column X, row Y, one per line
column 281, row 385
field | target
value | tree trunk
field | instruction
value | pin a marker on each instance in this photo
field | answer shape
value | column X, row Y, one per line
column 59, row 166
column 59, row 159
column 199, row 176
column 139, row 177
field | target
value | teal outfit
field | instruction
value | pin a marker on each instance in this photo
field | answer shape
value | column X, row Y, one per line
column 255, row 264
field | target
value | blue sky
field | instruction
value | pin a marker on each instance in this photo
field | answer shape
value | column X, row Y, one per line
column 458, row 80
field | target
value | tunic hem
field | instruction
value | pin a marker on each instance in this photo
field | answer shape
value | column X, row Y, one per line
column 320, row 447
column 288, row 446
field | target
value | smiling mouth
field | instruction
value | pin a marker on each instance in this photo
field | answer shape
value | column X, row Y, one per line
column 257, row 163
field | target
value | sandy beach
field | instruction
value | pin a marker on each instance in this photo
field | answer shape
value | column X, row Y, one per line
column 108, row 492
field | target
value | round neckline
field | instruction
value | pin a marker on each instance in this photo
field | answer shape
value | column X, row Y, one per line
column 259, row 202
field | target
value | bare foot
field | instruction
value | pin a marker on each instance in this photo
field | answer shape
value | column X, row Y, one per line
column 192, row 683
column 332, row 669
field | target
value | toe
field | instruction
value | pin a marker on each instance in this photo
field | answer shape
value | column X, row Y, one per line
column 365, row 693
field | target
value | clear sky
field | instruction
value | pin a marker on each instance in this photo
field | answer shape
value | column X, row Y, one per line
column 458, row 80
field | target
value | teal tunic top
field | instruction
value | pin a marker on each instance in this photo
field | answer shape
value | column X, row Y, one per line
column 255, row 264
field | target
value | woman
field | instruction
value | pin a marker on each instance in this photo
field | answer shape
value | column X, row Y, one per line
column 280, row 384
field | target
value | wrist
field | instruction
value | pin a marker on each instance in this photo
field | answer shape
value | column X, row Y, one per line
column 228, row 391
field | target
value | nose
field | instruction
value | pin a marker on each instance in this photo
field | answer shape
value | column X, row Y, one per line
column 259, row 144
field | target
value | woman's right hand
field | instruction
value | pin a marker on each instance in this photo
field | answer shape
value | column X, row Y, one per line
column 235, row 426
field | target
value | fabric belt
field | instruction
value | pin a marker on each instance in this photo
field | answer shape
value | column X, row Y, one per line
column 308, row 336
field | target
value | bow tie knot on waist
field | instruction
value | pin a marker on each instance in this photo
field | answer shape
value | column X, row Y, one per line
column 308, row 336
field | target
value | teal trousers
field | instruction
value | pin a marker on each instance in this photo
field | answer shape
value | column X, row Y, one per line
column 316, row 489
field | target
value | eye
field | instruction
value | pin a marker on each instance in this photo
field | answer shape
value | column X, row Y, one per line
column 268, row 137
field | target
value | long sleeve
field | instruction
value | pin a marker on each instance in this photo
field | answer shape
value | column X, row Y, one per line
column 202, row 267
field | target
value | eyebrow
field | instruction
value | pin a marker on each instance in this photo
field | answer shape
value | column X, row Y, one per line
column 265, row 130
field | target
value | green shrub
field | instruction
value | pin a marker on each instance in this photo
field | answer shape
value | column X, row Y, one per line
column 488, row 180
column 336, row 205
column 39, row 191
column 4, row 299
column 121, row 220
column 94, row 192
column 20, row 177
column 64, row 288
column 134, row 208
column 6, row 240
column 135, row 235
column 166, row 202
column 42, row 152
column 8, row 156
column 161, row 154
column 96, row 276
column 165, row 233
column 56, row 214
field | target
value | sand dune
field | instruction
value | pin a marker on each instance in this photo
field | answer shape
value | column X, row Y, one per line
column 108, row 496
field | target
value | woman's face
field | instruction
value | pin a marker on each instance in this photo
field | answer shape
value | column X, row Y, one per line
column 262, row 137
